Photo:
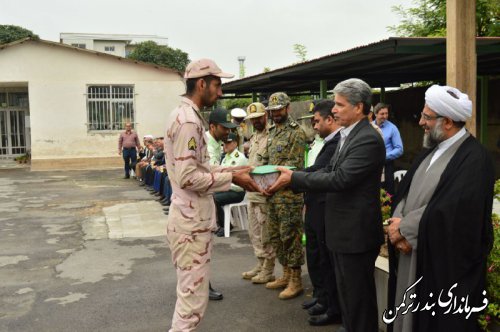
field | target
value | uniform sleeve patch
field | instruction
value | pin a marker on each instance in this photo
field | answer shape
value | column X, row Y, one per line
column 192, row 144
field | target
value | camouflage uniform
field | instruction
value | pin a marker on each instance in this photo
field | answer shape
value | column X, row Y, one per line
column 286, row 147
column 257, row 206
column 191, row 219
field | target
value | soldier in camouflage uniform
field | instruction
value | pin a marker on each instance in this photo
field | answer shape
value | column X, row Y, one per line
column 258, row 219
column 286, row 147
column 192, row 212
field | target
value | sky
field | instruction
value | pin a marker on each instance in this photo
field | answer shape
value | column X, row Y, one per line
column 263, row 31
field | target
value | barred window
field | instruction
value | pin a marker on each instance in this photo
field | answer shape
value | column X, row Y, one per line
column 109, row 107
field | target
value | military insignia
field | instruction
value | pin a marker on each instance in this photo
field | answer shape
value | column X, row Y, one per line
column 192, row 144
column 252, row 109
column 237, row 155
column 279, row 148
column 274, row 100
column 293, row 124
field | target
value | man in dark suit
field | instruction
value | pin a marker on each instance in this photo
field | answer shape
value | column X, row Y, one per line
column 324, row 308
column 353, row 220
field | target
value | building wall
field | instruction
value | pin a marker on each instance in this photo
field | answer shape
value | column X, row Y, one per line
column 100, row 46
column 89, row 43
column 57, row 81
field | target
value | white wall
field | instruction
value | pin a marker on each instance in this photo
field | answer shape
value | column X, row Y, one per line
column 100, row 46
column 57, row 80
column 89, row 43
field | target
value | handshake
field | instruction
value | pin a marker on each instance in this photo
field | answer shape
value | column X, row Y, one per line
column 266, row 179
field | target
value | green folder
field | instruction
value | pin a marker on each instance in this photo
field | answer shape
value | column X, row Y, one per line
column 268, row 169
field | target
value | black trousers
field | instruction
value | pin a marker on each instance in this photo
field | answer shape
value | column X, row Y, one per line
column 224, row 198
column 130, row 158
column 388, row 183
column 319, row 263
column 357, row 293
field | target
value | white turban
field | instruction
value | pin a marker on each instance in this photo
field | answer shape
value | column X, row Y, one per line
column 443, row 103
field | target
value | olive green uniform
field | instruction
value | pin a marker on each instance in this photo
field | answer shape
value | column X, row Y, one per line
column 286, row 146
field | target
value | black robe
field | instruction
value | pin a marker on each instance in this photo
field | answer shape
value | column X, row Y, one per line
column 454, row 239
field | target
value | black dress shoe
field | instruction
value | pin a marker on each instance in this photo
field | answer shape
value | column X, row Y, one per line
column 324, row 319
column 220, row 232
column 317, row 309
column 309, row 303
column 214, row 295
column 126, row 177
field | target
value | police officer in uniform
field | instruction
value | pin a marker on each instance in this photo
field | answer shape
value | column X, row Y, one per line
column 286, row 146
column 192, row 212
column 236, row 194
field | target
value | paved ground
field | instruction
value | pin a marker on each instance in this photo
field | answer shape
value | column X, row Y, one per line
column 85, row 251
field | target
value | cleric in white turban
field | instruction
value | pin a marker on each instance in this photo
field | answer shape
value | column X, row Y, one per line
column 449, row 102
column 440, row 231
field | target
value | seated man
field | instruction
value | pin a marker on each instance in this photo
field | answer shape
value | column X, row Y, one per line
column 145, row 156
column 236, row 194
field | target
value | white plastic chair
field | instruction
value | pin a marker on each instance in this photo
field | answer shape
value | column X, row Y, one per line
column 398, row 175
column 240, row 214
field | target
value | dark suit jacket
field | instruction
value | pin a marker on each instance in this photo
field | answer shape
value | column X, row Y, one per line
column 312, row 199
column 353, row 220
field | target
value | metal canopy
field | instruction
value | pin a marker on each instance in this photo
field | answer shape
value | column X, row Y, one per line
column 387, row 63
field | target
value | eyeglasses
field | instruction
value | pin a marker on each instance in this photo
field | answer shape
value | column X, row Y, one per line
column 428, row 117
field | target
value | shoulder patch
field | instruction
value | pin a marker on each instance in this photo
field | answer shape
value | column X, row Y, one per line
column 192, row 144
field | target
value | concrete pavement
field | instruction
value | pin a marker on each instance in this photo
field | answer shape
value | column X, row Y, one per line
column 86, row 251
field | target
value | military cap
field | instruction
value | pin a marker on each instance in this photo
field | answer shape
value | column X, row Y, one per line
column 221, row 116
column 238, row 113
column 204, row 67
column 278, row 100
column 255, row 110
column 231, row 137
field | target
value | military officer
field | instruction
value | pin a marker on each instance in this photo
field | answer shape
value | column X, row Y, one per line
column 263, row 272
column 192, row 214
column 286, row 147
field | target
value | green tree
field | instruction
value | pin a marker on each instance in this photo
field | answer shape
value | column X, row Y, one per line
column 300, row 51
column 151, row 52
column 428, row 18
column 10, row 33
column 229, row 104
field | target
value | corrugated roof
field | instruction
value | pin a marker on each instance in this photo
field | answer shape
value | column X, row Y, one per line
column 386, row 63
column 100, row 54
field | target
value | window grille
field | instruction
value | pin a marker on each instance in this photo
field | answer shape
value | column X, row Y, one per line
column 109, row 48
column 109, row 107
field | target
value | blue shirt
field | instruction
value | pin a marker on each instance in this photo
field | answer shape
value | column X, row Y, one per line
column 392, row 140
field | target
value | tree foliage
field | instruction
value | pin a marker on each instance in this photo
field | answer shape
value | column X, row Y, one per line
column 229, row 104
column 11, row 33
column 428, row 18
column 151, row 52
column 300, row 51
